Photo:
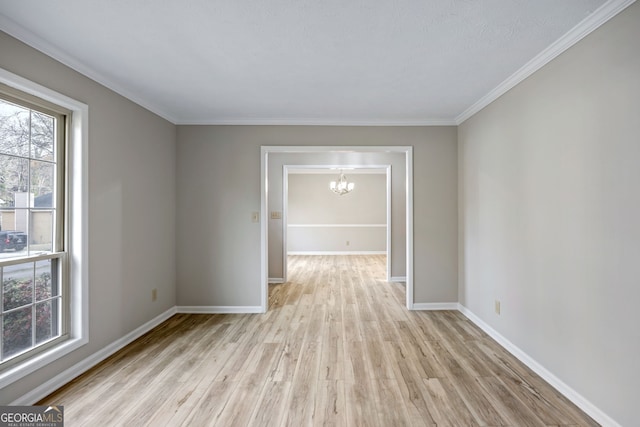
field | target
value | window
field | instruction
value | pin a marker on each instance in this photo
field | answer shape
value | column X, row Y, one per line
column 32, row 228
column 43, row 228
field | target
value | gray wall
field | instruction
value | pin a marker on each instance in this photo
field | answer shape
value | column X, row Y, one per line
column 132, row 198
column 219, row 187
column 311, row 203
column 550, row 212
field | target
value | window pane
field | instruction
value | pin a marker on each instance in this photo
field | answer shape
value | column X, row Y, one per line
column 16, row 331
column 13, row 240
column 17, row 285
column 42, row 182
column 46, row 281
column 14, row 129
column 14, row 182
column 41, row 231
column 7, row 221
column 42, row 136
column 47, row 320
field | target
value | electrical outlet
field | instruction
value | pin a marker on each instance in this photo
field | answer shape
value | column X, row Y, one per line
column 347, row 243
column 154, row 295
column 497, row 307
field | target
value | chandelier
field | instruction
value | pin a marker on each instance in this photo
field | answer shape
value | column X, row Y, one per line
column 341, row 186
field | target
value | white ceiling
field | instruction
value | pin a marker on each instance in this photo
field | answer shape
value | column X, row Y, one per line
column 403, row 62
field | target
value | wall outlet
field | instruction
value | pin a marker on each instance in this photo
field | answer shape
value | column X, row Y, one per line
column 347, row 243
column 497, row 307
column 276, row 215
column 154, row 294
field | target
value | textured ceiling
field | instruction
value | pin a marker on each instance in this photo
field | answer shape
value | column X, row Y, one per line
column 297, row 61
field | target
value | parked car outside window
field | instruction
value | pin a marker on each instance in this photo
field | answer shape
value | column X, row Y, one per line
column 12, row 240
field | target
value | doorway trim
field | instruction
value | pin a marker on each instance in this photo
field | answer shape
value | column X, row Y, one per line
column 285, row 201
column 265, row 151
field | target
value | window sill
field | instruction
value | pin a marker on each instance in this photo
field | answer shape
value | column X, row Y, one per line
column 39, row 361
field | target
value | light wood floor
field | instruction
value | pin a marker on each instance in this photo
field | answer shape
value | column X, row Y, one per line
column 337, row 347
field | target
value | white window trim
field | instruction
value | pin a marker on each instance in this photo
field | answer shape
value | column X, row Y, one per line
column 78, row 250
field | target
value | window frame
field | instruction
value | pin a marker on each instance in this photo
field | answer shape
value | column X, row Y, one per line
column 58, row 223
column 72, row 244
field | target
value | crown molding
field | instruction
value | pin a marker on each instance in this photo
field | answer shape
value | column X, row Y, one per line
column 573, row 36
column 24, row 35
column 318, row 122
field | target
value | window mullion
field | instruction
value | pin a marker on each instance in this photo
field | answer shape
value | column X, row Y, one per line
column 28, row 191
column 33, row 307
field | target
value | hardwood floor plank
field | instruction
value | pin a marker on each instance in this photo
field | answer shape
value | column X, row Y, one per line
column 350, row 323
column 447, row 407
column 331, row 408
column 475, row 400
column 336, row 348
column 451, row 365
column 280, row 324
column 241, row 404
column 289, row 354
column 459, row 350
column 413, row 396
column 378, row 364
column 332, row 360
column 392, row 410
column 426, row 360
column 508, row 405
column 179, row 406
column 300, row 410
column 272, row 404
column 212, row 404
column 361, row 404
column 316, row 323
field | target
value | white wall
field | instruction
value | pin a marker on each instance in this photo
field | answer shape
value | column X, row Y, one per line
column 219, row 186
column 319, row 220
column 549, row 206
column 132, row 198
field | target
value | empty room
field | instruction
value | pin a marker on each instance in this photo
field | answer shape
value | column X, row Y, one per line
column 288, row 213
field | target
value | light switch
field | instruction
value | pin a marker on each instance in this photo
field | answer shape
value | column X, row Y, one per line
column 255, row 217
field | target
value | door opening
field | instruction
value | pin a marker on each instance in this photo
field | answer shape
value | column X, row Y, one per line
column 273, row 160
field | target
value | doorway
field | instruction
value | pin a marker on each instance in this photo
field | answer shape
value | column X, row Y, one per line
column 273, row 160
column 363, row 228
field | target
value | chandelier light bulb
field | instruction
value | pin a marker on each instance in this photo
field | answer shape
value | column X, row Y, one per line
column 341, row 186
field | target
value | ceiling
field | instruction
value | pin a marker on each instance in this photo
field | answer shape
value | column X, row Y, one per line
column 386, row 62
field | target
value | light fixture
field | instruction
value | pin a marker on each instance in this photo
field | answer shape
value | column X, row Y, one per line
column 342, row 186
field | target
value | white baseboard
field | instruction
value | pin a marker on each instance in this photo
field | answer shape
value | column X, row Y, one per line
column 66, row 376
column 219, row 309
column 337, row 253
column 398, row 279
column 275, row 280
column 435, row 306
column 575, row 397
